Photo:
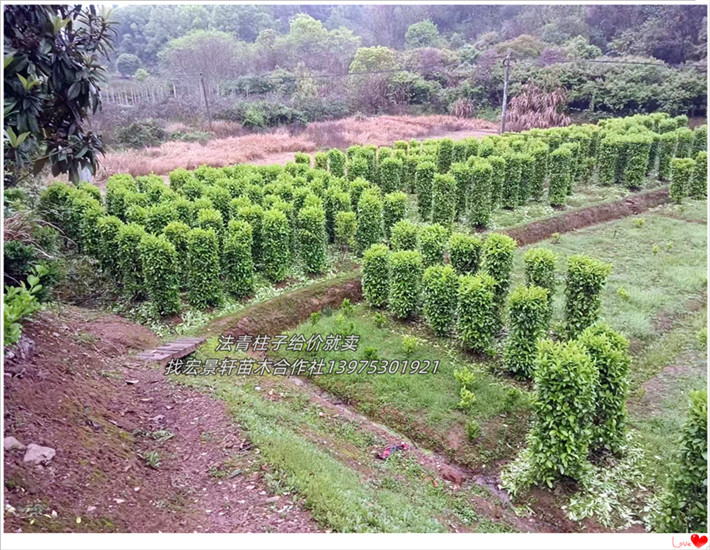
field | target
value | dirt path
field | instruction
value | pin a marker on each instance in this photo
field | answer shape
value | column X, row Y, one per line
column 134, row 453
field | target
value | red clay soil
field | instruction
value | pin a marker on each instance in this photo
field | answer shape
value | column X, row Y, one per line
column 78, row 393
column 584, row 217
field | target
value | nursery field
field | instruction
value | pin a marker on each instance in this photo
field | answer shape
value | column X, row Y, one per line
column 434, row 374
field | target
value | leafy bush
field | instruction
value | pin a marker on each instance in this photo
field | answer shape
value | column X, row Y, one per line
column 638, row 149
column 440, row 291
column 432, row 243
column 476, row 323
column 699, row 180
column 390, row 175
column 511, row 184
column 20, row 302
column 609, row 352
column 586, row 278
column 108, row 228
column 481, row 200
column 424, row 184
column 465, row 252
column 369, row 220
column 461, row 173
column 444, row 155
column 681, row 178
column 497, row 178
column 345, row 228
column 700, row 139
column 176, row 232
column 498, row 256
column 394, row 210
column 540, row 152
column 129, row 239
column 473, row 429
column 666, row 151
column 560, row 161
column 375, row 275
column 237, row 260
column 527, row 324
column 563, row 408
column 204, row 287
column 210, row 218
column 405, row 282
column 444, row 200
column 357, row 168
column 160, row 273
column 312, row 238
column 405, row 236
column 336, row 163
column 275, row 254
column 684, row 505
column 254, row 216
column 685, row 142
column 540, row 271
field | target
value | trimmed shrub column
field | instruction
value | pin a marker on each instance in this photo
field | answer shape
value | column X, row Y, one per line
column 405, row 283
column 440, row 290
column 375, row 275
column 586, row 278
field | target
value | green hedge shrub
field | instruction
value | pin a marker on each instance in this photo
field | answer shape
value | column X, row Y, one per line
column 461, row 173
column 444, row 200
column 336, row 162
column 586, row 278
column 609, row 352
column 211, row 218
column 345, row 228
column 685, row 142
column 108, row 228
column 159, row 263
column 369, row 220
column 699, row 179
column 481, row 200
column 254, row 216
column 527, row 175
column 608, row 159
column 204, row 287
column 129, row 238
column 312, row 239
column 276, row 238
column 440, row 292
column 405, row 283
column 390, row 175
column 405, row 236
column 684, row 505
column 176, row 232
column 511, row 185
column 563, row 410
column 497, row 179
column 335, row 201
column 638, row 149
column 237, row 261
column 394, row 209
column 465, row 252
column 700, row 139
column 666, row 151
column 302, row 158
column 356, row 188
column 159, row 215
column 320, row 161
column 425, row 183
column 432, row 243
column 444, row 155
column 476, row 324
column 497, row 261
column 681, row 177
column 409, row 173
column 560, row 161
column 540, row 271
column 357, row 168
column 527, row 319
column 375, row 275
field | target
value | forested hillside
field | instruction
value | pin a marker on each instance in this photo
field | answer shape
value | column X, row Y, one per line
column 270, row 65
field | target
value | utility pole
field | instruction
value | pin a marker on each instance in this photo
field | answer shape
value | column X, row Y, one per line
column 506, row 64
column 207, row 105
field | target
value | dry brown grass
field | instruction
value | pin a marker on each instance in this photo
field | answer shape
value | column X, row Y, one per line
column 537, row 107
column 274, row 146
column 190, row 155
